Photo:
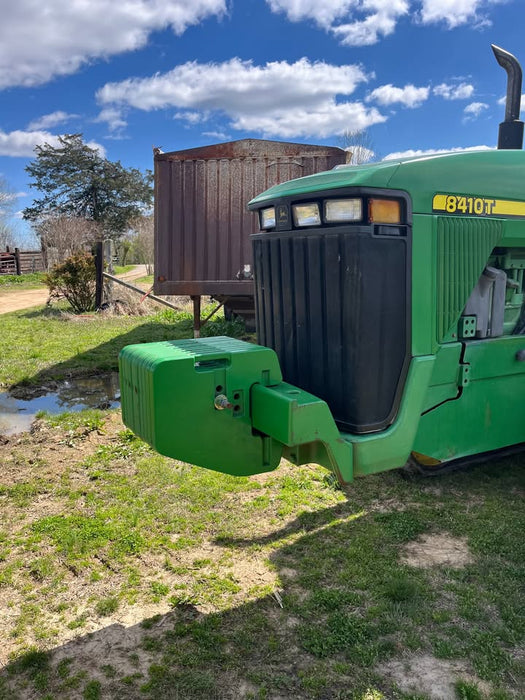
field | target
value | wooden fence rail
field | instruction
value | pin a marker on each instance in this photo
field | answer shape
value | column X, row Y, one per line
column 21, row 262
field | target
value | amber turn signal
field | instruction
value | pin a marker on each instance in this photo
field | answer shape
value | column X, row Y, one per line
column 384, row 211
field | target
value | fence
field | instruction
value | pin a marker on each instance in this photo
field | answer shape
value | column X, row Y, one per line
column 21, row 262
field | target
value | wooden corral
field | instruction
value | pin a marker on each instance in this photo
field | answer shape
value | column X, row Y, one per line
column 21, row 262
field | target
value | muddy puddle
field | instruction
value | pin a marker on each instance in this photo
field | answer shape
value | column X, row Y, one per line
column 16, row 415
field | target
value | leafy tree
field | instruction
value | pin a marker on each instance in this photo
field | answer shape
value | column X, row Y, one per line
column 76, row 181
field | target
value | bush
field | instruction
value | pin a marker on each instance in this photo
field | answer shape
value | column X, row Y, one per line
column 75, row 280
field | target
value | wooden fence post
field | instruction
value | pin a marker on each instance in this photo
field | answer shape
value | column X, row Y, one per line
column 99, row 269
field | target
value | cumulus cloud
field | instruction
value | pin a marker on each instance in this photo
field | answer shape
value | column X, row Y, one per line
column 365, row 22
column 473, row 110
column 419, row 153
column 278, row 98
column 460, row 91
column 40, row 40
column 217, row 135
column 235, row 85
column 47, row 121
column 353, row 22
column 191, row 117
column 114, row 119
column 360, row 154
column 503, row 100
column 325, row 120
column 409, row 96
column 456, row 12
column 22, row 143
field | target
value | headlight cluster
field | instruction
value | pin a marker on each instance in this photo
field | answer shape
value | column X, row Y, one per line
column 306, row 214
column 333, row 211
column 267, row 217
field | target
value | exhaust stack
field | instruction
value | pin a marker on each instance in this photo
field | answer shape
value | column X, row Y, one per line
column 511, row 130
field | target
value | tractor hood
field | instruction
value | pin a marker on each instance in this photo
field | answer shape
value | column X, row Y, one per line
column 489, row 173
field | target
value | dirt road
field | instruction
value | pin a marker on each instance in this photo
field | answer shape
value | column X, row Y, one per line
column 17, row 299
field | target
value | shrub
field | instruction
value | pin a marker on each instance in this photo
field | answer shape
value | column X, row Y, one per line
column 75, row 280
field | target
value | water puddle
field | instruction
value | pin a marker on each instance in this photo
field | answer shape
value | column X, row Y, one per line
column 16, row 415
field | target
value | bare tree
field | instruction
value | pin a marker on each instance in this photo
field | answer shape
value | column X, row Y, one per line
column 62, row 236
column 7, row 200
column 359, row 145
column 141, row 237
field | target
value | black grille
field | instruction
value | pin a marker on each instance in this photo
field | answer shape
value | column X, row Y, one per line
column 333, row 304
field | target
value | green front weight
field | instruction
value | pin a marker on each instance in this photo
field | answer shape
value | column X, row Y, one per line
column 190, row 400
column 221, row 403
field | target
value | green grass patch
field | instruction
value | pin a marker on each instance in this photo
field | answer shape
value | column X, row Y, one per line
column 85, row 344
column 281, row 586
column 32, row 280
column 122, row 269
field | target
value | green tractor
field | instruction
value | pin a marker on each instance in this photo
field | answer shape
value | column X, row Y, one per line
column 390, row 298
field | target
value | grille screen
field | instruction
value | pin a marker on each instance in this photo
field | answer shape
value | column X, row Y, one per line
column 333, row 305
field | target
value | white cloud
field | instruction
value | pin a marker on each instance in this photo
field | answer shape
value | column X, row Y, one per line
column 113, row 118
column 473, row 110
column 12, row 196
column 354, row 22
column 456, row 12
column 503, row 100
column 325, row 120
column 278, row 98
column 218, row 135
column 360, row 154
column 22, row 143
column 49, row 120
column 40, row 40
column 413, row 153
column 190, row 117
column 235, row 85
column 323, row 13
column 409, row 96
column 461, row 91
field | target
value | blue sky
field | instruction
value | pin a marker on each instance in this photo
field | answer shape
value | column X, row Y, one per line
column 419, row 75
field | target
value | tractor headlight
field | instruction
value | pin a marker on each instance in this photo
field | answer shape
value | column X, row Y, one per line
column 267, row 217
column 343, row 210
column 306, row 214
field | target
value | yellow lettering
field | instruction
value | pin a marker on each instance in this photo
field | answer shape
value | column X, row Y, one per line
column 462, row 204
column 451, row 204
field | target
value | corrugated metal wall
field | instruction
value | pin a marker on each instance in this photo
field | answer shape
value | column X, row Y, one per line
column 202, row 225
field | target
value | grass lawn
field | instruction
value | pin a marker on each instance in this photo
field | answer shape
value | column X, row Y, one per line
column 122, row 269
column 124, row 574
column 33, row 280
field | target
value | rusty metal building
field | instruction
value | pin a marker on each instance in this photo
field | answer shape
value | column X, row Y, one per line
column 202, row 225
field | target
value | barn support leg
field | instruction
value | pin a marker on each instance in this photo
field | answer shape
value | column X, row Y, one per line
column 196, row 316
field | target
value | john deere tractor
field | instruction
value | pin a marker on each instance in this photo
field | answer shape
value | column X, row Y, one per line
column 390, row 317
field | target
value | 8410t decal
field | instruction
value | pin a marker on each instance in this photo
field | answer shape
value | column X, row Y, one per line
column 476, row 206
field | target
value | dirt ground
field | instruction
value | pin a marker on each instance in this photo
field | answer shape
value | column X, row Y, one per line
column 17, row 299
